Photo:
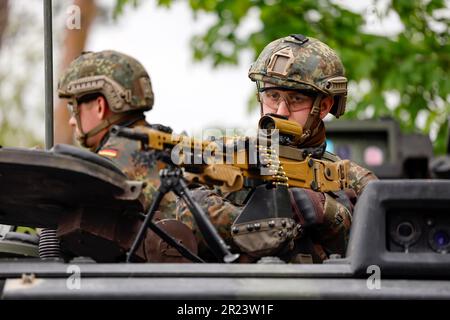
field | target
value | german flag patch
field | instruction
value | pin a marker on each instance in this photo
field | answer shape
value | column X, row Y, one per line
column 110, row 153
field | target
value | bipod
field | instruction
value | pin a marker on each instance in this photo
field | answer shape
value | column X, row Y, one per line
column 172, row 180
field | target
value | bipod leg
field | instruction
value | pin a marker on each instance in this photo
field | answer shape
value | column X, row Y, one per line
column 185, row 252
column 147, row 221
column 212, row 237
column 167, row 181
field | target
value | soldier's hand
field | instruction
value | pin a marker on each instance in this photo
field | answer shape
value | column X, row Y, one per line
column 308, row 206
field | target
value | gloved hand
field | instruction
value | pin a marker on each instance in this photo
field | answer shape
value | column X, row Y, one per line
column 327, row 220
column 308, row 206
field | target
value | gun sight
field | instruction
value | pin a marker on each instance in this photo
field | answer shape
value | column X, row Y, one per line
column 290, row 131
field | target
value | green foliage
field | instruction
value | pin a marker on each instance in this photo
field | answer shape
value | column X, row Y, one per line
column 413, row 64
column 13, row 132
column 17, row 80
column 120, row 4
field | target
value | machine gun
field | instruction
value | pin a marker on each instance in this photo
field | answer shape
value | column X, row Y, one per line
column 268, row 164
column 235, row 163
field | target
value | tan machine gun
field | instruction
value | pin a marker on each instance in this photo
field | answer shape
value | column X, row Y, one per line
column 268, row 165
column 234, row 163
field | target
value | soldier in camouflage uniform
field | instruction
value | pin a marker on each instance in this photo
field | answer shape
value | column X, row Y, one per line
column 110, row 88
column 302, row 79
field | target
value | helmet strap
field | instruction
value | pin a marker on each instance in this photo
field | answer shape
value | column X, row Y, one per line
column 82, row 138
column 311, row 127
column 258, row 90
column 114, row 119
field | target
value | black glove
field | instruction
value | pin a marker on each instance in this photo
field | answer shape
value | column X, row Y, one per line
column 308, row 206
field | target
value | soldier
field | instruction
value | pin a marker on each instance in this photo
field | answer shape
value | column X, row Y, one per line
column 110, row 88
column 302, row 79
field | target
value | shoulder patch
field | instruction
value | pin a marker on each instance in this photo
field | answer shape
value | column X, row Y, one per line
column 110, row 153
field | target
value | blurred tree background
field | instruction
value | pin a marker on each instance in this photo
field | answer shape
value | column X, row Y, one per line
column 13, row 84
column 22, row 72
column 404, row 75
column 401, row 73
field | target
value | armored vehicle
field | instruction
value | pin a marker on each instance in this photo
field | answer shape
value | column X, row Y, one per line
column 398, row 247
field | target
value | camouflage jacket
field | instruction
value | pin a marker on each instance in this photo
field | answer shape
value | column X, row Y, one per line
column 330, row 236
column 137, row 165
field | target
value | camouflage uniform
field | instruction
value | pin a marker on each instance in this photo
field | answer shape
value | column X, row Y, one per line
column 329, row 234
column 138, row 165
column 126, row 86
column 307, row 65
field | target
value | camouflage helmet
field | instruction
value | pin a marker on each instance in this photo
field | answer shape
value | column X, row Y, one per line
column 121, row 79
column 302, row 63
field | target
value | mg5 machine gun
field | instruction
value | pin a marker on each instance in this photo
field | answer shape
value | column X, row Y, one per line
column 268, row 165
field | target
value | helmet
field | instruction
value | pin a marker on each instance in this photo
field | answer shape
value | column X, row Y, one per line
column 121, row 79
column 302, row 63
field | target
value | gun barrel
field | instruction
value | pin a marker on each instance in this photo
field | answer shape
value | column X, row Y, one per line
column 128, row 133
column 287, row 128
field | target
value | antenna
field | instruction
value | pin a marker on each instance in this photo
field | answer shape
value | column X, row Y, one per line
column 448, row 135
column 48, row 66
